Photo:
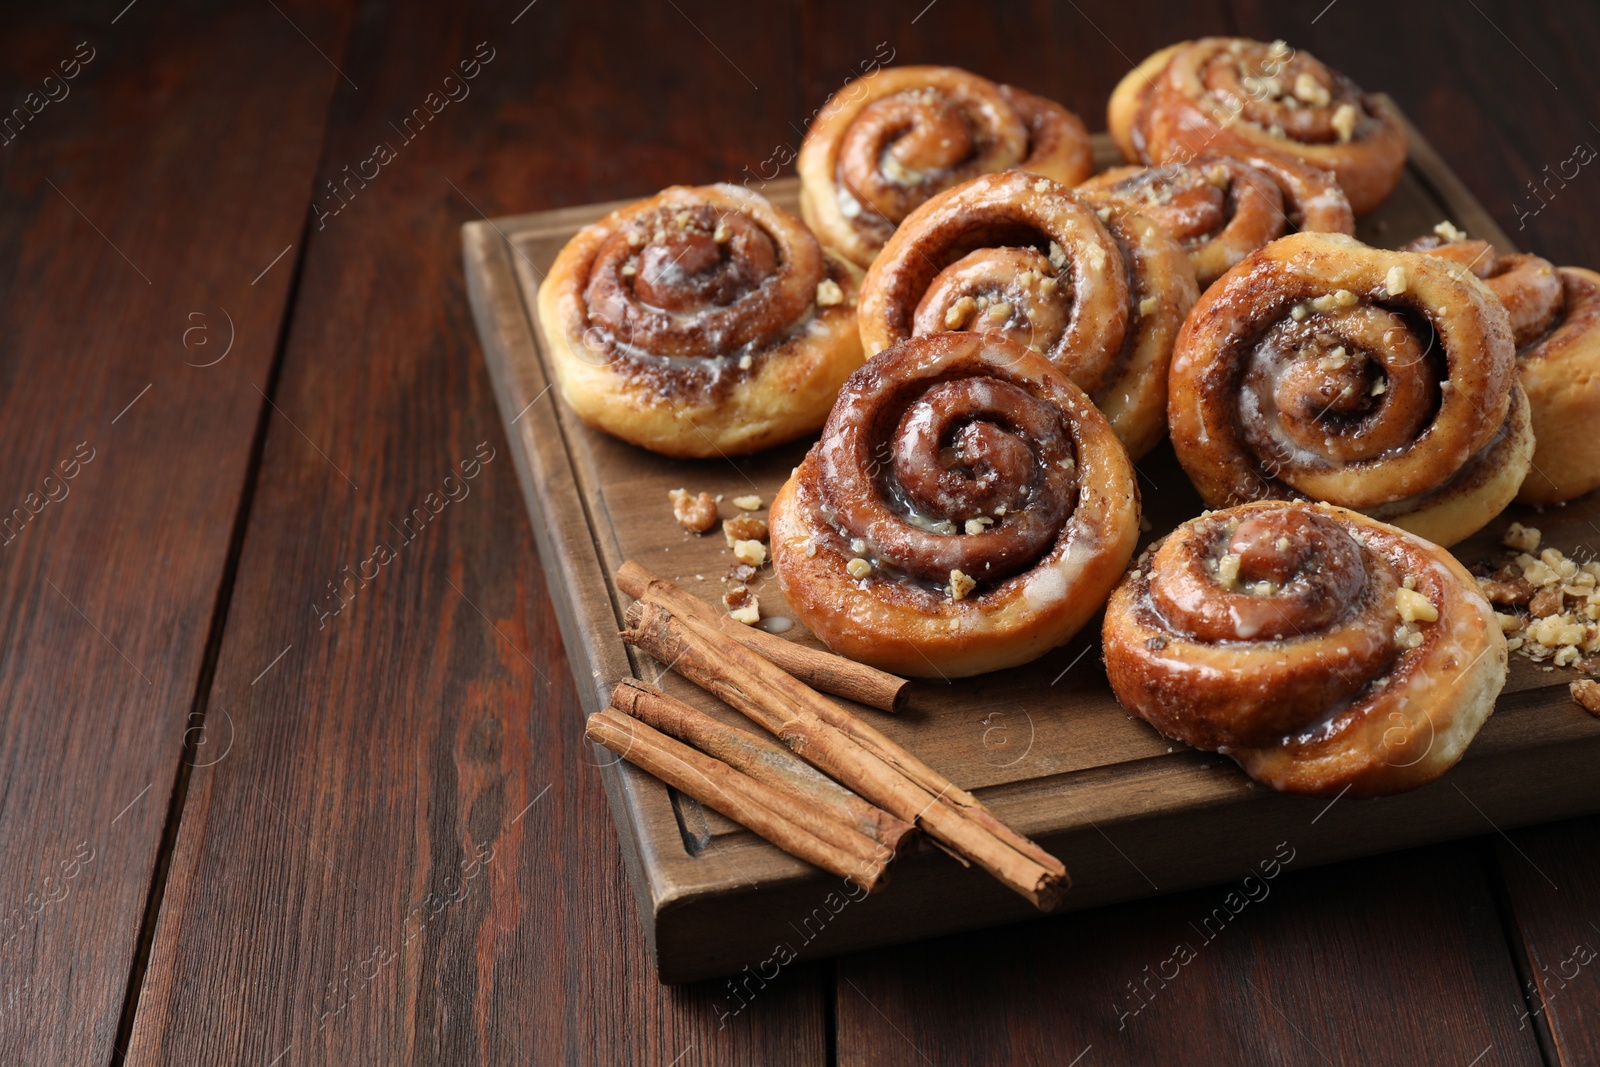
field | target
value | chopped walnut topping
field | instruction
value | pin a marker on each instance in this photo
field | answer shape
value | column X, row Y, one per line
column 1311, row 91
column 1228, row 570
column 1378, row 388
column 1448, row 231
column 723, row 233
column 829, row 293
column 697, row 514
column 1344, row 121
column 753, row 553
column 1058, row 258
column 858, row 568
column 1299, row 312
column 1096, row 257
column 1406, row 635
column 1546, row 602
column 1395, row 281
column 635, row 239
column 1414, row 607
column 743, row 605
column 958, row 312
column 960, row 585
column 629, row 270
column 1522, row 538
column 858, row 546
column 1148, row 305
column 744, row 528
column 745, row 362
column 977, row 525
column 1000, row 312
column 1587, row 693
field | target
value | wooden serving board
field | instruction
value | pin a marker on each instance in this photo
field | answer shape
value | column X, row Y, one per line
column 1046, row 746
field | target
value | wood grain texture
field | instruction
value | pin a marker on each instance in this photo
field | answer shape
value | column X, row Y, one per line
column 1387, row 961
column 154, row 167
column 406, row 857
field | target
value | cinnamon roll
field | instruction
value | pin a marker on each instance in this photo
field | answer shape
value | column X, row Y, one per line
column 700, row 322
column 1380, row 381
column 1555, row 321
column 1086, row 281
column 966, row 509
column 1222, row 208
column 1240, row 97
column 887, row 142
column 1322, row 650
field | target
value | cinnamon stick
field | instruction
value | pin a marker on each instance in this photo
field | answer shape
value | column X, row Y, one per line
column 821, row 670
column 762, row 760
column 798, row 831
column 794, row 713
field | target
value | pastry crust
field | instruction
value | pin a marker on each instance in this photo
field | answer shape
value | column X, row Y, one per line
column 1236, row 96
column 1322, row 369
column 1084, row 280
column 886, row 142
column 1561, row 374
column 1366, row 660
column 1222, row 208
column 700, row 322
column 1555, row 318
column 967, row 509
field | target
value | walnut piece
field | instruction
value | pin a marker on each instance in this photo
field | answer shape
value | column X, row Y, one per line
column 1546, row 602
column 744, row 528
column 753, row 553
column 1587, row 693
column 697, row 514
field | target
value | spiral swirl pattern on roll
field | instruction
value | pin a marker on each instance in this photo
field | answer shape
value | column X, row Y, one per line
column 699, row 322
column 1236, row 96
column 887, row 142
column 1086, row 281
column 1321, row 649
column 1555, row 320
column 966, row 508
column 1381, row 381
column 1222, row 208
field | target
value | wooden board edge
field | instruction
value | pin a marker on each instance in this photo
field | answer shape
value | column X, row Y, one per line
column 1436, row 175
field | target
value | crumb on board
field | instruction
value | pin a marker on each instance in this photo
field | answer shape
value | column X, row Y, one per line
column 744, row 528
column 697, row 514
column 743, row 605
column 1555, row 603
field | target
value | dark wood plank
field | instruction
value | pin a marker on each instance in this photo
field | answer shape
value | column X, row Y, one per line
column 1552, row 880
column 159, row 163
column 332, row 896
column 1386, row 961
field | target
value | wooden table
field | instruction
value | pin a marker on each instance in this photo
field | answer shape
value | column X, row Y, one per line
column 267, row 797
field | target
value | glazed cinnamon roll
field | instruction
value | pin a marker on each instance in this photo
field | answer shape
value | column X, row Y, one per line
column 887, row 142
column 1222, row 208
column 700, row 322
column 1321, row 649
column 966, row 509
column 1381, row 381
column 1236, row 96
column 1555, row 320
column 1086, row 281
